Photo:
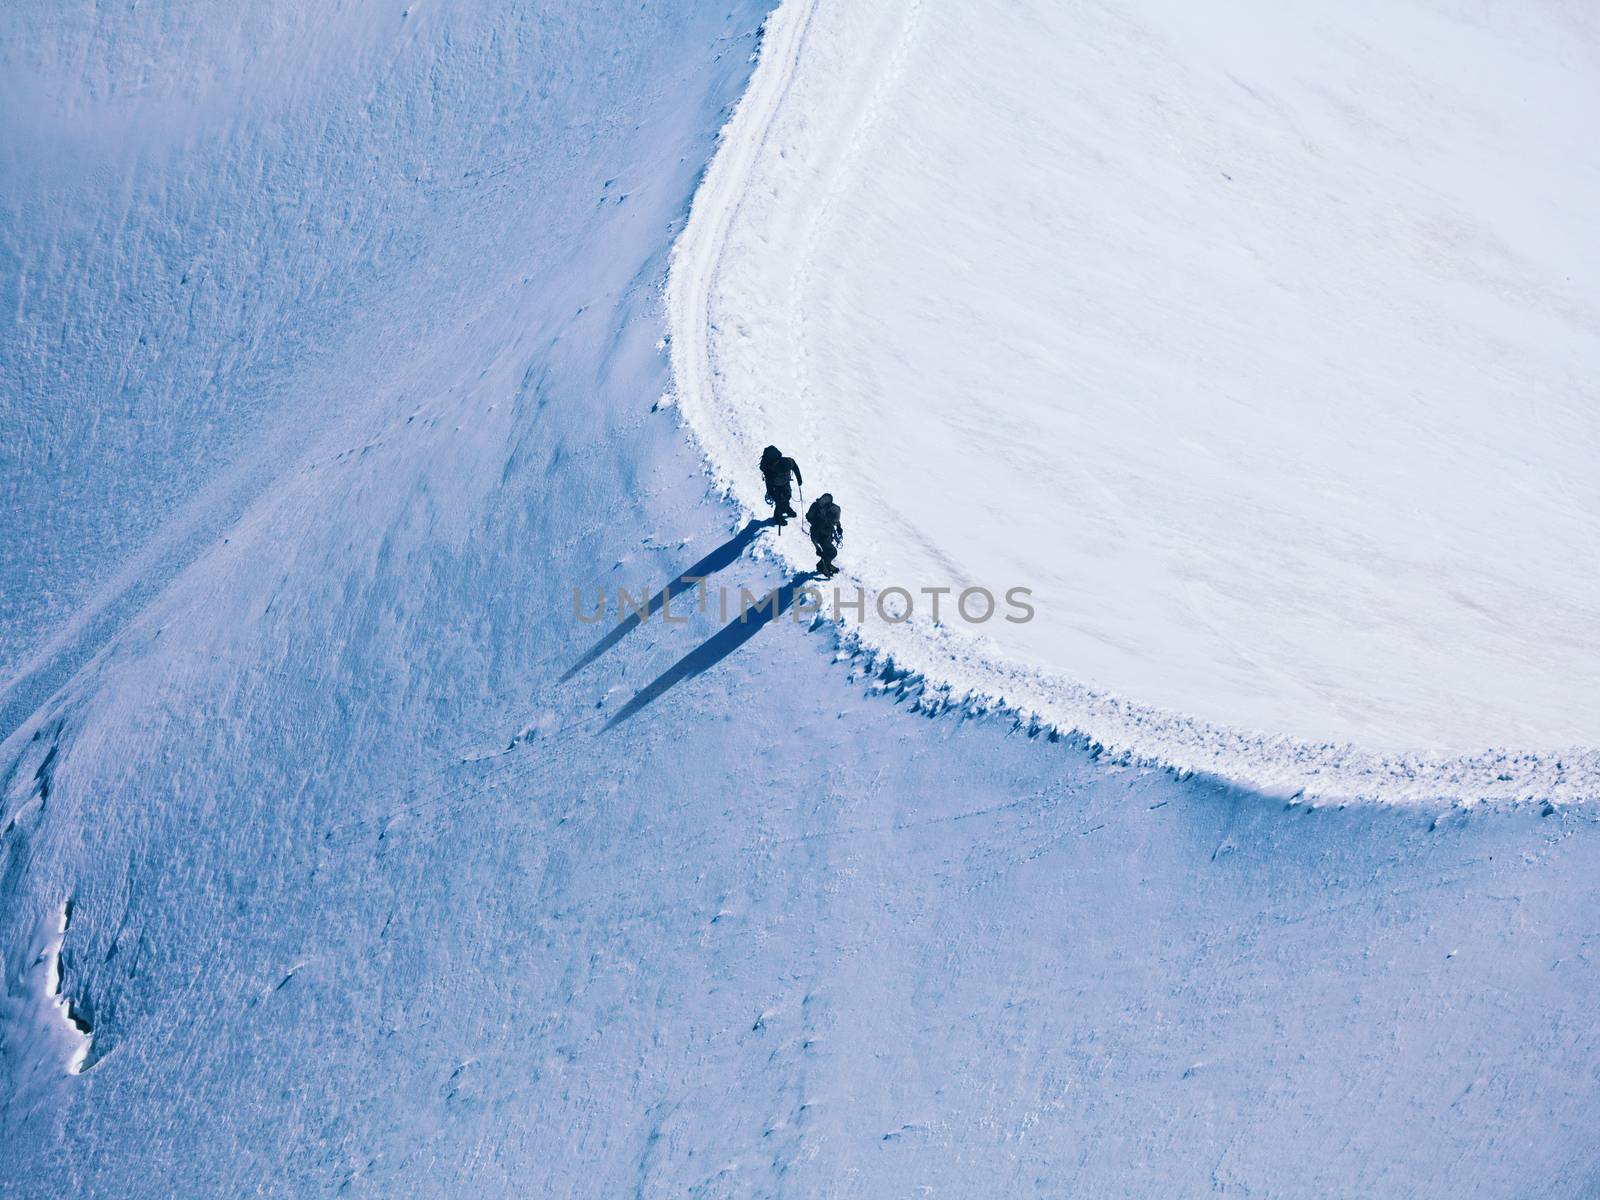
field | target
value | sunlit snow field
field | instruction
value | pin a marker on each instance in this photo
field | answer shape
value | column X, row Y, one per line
column 1261, row 341
column 338, row 858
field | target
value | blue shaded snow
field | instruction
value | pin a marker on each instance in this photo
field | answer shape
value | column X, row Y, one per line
column 364, row 901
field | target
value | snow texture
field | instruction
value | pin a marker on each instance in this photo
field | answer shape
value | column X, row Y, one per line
column 337, row 857
column 1260, row 343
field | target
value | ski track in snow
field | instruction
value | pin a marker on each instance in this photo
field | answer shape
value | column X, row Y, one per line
column 753, row 168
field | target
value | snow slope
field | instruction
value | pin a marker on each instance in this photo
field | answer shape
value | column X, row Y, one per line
column 321, row 874
column 220, row 236
column 1260, row 344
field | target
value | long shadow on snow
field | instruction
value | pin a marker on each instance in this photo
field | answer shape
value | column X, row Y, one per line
column 728, row 639
column 721, row 557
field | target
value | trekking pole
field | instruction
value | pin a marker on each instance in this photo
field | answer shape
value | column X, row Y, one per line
column 806, row 529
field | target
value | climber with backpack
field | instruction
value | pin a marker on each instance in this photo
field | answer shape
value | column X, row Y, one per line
column 776, row 468
column 827, row 533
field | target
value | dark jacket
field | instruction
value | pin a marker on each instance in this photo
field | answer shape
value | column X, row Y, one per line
column 776, row 472
column 824, row 519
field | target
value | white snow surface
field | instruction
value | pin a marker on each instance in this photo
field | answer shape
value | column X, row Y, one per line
column 1259, row 341
column 326, row 868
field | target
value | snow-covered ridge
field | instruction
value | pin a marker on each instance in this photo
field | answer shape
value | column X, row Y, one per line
column 775, row 337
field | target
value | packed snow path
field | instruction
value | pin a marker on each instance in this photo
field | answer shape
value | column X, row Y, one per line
column 318, row 877
column 1260, row 342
